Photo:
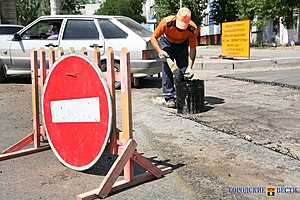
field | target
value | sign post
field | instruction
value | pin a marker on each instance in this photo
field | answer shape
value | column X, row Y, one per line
column 236, row 39
column 79, row 115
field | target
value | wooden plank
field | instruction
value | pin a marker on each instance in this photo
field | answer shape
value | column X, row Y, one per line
column 116, row 169
column 51, row 57
column 72, row 50
column 43, row 70
column 43, row 67
column 61, row 51
column 83, row 51
column 139, row 179
column 113, row 148
column 123, row 184
column 20, row 145
column 90, row 195
column 126, row 95
column 147, row 164
column 96, row 56
column 112, row 175
column 126, row 108
column 35, row 99
column 23, row 152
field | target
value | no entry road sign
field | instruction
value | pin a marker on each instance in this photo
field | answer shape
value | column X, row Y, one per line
column 77, row 111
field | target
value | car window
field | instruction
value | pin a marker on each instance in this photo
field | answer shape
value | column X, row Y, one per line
column 80, row 30
column 110, row 30
column 9, row 30
column 135, row 27
column 45, row 29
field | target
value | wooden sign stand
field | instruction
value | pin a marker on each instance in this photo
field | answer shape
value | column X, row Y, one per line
column 35, row 138
column 122, row 142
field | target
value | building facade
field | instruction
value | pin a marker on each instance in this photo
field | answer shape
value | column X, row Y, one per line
column 149, row 14
column 209, row 30
column 8, row 12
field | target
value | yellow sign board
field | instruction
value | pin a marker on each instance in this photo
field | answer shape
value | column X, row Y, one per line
column 236, row 39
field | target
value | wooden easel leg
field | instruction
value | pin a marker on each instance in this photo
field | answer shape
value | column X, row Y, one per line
column 110, row 77
column 43, row 74
column 113, row 173
column 126, row 103
column 145, row 163
column 20, row 145
column 35, row 137
column 139, row 179
column 23, row 152
column 35, row 99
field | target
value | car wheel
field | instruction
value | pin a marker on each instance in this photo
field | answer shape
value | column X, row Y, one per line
column 2, row 74
column 117, row 69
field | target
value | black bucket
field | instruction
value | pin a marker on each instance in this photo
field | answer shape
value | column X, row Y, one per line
column 190, row 96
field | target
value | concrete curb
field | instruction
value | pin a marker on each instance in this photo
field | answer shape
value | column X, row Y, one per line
column 248, row 64
column 255, row 81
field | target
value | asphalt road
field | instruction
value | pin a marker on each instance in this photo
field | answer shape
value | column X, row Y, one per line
column 286, row 78
column 208, row 151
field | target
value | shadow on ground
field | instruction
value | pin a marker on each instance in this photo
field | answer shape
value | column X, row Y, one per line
column 18, row 80
column 106, row 161
column 150, row 82
column 209, row 100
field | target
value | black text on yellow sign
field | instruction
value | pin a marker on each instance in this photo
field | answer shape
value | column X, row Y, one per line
column 236, row 39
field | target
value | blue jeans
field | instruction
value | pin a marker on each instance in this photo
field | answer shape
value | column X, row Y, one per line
column 179, row 53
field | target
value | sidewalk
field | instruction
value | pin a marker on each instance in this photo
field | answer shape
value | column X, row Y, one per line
column 208, row 58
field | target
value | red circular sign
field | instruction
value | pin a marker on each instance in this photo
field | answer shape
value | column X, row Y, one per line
column 77, row 111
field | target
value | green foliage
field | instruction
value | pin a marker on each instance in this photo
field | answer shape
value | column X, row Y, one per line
column 27, row 10
column 163, row 8
column 129, row 8
column 224, row 10
column 71, row 7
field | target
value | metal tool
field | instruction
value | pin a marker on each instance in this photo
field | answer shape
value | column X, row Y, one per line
column 173, row 67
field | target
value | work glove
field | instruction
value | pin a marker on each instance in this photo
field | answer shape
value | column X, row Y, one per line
column 189, row 74
column 171, row 64
column 163, row 55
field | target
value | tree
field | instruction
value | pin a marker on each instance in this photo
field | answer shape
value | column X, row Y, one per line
column 71, row 7
column 27, row 11
column 164, row 8
column 54, row 7
column 224, row 11
column 129, row 8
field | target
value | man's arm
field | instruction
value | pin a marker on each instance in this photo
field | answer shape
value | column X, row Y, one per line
column 156, row 34
column 193, row 45
column 155, row 44
column 192, row 57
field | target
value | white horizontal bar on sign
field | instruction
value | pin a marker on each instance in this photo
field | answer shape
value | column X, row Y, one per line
column 76, row 110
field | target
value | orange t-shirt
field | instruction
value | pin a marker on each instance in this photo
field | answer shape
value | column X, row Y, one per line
column 167, row 26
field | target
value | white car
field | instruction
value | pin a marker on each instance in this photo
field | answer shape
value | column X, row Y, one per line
column 8, row 30
column 80, row 31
